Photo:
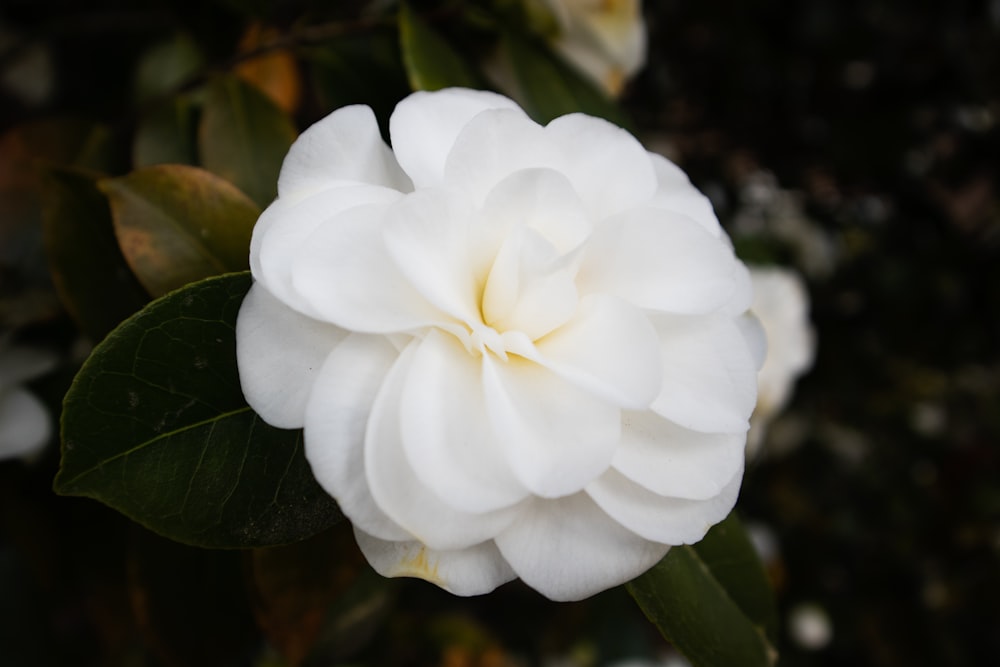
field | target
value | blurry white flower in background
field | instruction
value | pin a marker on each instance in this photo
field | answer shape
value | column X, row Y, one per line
column 25, row 423
column 781, row 304
column 603, row 39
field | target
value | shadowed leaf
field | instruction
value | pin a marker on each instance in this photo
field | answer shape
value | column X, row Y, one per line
column 431, row 63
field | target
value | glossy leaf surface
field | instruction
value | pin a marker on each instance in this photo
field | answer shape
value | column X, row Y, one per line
column 178, row 224
column 712, row 600
column 155, row 425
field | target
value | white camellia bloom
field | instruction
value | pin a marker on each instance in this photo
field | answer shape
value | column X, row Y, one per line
column 25, row 424
column 604, row 39
column 516, row 350
column 781, row 304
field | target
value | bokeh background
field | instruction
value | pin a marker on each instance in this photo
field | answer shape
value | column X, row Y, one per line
column 856, row 142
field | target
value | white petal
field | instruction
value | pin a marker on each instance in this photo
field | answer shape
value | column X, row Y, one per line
column 283, row 228
column 675, row 193
column 446, row 431
column 606, row 165
column 709, row 374
column 336, row 419
column 397, row 489
column 25, row 425
column 610, row 348
column 494, row 145
column 539, row 199
column 279, row 353
column 344, row 146
column 659, row 261
column 557, row 436
column 346, row 274
column 569, row 549
column 670, row 460
column 530, row 288
column 660, row 518
column 423, row 128
column 756, row 338
column 472, row 571
column 427, row 235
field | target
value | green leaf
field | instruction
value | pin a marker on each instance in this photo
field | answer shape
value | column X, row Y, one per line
column 243, row 137
column 550, row 88
column 165, row 66
column 155, row 426
column 166, row 134
column 87, row 266
column 712, row 600
column 178, row 224
column 431, row 63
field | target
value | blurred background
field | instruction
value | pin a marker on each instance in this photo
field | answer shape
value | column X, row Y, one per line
column 856, row 143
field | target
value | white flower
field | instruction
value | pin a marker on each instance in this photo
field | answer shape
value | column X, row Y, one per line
column 603, row 39
column 25, row 425
column 781, row 304
column 516, row 350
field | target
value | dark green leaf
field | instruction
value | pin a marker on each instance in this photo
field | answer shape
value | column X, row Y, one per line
column 155, row 425
column 88, row 269
column 166, row 134
column 431, row 63
column 243, row 137
column 550, row 88
column 165, row 66
column 178, row 224
column 712, row 601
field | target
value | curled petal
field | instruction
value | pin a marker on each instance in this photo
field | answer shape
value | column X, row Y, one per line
column 284, row 226
column 336, row 419
column 397, row 489
column 569, row 549
column 344, row 146
column 474, row 570
column 610, row 348
column 25, row 425
column 424, row 126
column 607, row 166
column 278, row 384
column 675, row 193
column 345, row 273
column 446, row 430
column 660, row 261
column 670, row 460
column 427, row 236
column 709, row 374
column 557, row 436
column 661, row 518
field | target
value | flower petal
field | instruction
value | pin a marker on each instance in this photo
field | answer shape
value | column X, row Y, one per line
column 336, row 419
column 344, row 146
column 660, row 518
column 557, row 436
column 607, row 166
column 423, row 128
column 447, row 435
column 569, row 549
column 25, row 425
column 20, row 363
column 427, row 235
column 494, row 145
column 279, row 353
column 397, row 489
column 709, row 374
column 475, row 570
column 284, row 226
column 610, row 348
column 345, row 273
column 660, row 262
column 675, row 193
column 670, row 460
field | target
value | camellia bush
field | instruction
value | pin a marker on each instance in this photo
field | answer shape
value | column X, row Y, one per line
column 391, row 291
